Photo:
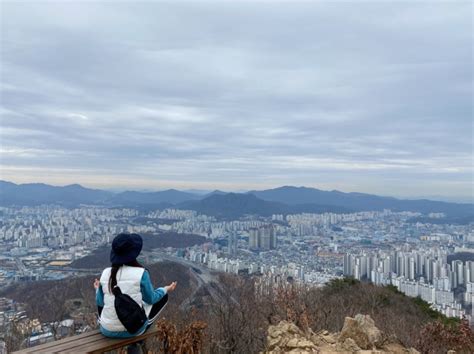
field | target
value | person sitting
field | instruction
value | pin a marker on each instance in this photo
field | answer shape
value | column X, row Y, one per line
column 132, row 279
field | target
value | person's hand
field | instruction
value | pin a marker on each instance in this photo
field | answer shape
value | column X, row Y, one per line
column 171, row 287
column 96, row 284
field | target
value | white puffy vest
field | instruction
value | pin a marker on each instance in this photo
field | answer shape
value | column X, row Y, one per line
column 128, row 279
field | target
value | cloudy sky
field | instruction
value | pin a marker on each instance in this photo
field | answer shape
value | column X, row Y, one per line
column 357, row 96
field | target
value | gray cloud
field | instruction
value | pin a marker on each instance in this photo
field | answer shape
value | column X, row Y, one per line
column 373, row 97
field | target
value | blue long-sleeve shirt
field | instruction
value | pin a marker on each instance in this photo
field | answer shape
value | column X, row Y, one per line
column 149, row 295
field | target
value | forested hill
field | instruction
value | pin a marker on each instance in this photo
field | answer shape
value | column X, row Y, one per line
column 99, row 258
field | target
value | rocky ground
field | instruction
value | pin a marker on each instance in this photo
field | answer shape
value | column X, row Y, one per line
column 358, row 335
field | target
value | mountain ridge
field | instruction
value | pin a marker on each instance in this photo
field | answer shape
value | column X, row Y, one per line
column 281, row 200
column 31, row 194
column 360, row 201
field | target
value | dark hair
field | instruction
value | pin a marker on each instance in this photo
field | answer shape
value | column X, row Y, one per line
column 115, row 268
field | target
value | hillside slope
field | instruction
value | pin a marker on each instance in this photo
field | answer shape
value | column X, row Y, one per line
column 58, row 296
column 239, row 310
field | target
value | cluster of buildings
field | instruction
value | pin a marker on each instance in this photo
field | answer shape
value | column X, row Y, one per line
column 173, row 214
column 419, row 272
column 246, row 265
column 35, row 242
column 51, row 226
column 384, row 247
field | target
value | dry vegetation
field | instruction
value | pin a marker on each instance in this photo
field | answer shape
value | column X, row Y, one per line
column 233, row 315
column 238, row 320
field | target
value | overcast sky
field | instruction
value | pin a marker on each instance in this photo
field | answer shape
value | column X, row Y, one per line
column 356, row 96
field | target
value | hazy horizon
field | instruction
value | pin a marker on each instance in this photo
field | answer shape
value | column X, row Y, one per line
column 371, row 97
column 465, row 199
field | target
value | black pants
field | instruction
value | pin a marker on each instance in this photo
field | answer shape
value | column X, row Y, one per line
column 155, row 310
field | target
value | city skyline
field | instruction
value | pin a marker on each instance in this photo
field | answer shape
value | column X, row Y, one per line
column 373, row 98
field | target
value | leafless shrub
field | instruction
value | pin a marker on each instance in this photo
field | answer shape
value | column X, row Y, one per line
column 437, row 337
column 171, row 340
column 235, row 319
column 14, row 337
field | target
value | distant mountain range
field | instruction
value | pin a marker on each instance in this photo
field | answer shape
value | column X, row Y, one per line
column 38, row 193
column 283, row 200
column 232, row 205
column 360, row 201
column 172, row 196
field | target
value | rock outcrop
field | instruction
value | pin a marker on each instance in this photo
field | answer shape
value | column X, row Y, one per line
column 362, row 330
column 358, row 335
column 287, row 337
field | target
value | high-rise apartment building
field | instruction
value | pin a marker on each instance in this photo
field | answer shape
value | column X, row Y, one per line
column 232, row 243
column 262, row 238
column 253, row 238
